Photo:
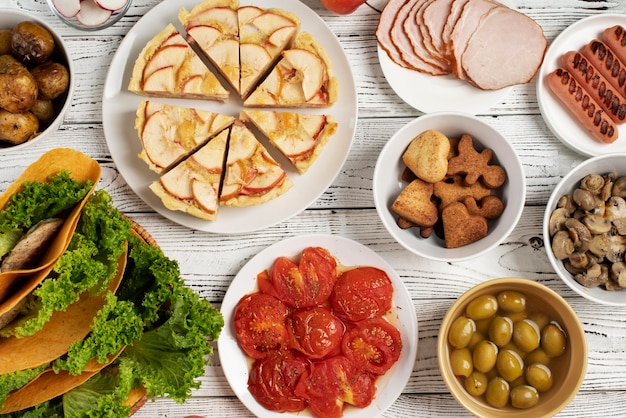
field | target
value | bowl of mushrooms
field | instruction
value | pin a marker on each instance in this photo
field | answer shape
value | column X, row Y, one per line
column 584, row 229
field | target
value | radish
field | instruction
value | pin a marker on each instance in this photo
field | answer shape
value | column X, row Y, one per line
column 67, row 8
column 91, row 14
column 111, row 4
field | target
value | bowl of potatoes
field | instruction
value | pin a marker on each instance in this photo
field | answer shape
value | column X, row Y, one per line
column 36, row 80
column 512, row 347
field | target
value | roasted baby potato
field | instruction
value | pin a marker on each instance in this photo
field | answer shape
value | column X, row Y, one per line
column 44, row 110
column 5, row 41
column 52, row 78
column 31, row 42
column 17, row 128
column 18, row 87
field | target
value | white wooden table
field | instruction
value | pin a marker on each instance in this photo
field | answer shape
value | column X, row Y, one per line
column 210, row 261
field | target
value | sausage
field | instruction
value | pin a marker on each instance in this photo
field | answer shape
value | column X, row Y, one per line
column 598, row 87
column 601, row 57
column 585, row 109
column 615, row 38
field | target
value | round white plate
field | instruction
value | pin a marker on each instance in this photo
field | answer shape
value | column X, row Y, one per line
column 429, row 93
column 348, row 253
column 119, row 107
column 557, row 117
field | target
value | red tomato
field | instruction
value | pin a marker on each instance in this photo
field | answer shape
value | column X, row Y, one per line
column 273, row 380
column 315, row 332
column 306, row 284
column 260, row 324
column 333, row 382
column 374, row 344
column 362, row 293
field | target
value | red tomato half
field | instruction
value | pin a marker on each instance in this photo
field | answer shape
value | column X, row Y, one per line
column 315, row 332
column 374, row 344
column 273, row 380
column 362, row 293
column 306, row 284
column 260, row 324
column 333, row 382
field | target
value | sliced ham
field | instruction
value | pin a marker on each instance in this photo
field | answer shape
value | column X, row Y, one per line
column 465, row 26
column 413, row 29
column 383, row 31
column 434, row 17
column 506, row 49
column 455, row 11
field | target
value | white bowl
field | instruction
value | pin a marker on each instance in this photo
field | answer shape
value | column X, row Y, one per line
column 601, row 164
column 10, row 17
column 388, row 184
column 76, row 23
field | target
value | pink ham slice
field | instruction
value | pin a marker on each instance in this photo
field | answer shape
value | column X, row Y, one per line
column 464, row 28
column 506, row 49
column 435, row 16
column 383, row 31
column 413, row 28
column 455, row 11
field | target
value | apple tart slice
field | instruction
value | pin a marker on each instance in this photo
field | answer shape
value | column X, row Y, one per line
column 263, row 35
column 252, row 176
column 302, row 78
column 193, row 185
column 213, row 26
column 169, row 133
column 168, row 67
column 299, row 137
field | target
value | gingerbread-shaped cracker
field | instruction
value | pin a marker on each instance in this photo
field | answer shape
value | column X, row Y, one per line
column 490, row 207
column 454, row 190
column 475, row 165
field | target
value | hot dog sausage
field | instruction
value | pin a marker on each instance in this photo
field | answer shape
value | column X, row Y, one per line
column 596, row 85
column 615, row 38
column 586, row 110
column 601, row 57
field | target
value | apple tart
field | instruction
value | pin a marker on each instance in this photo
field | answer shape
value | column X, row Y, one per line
column 170, row 133
column 299, row 137
column 168, row 67
column 192, row 186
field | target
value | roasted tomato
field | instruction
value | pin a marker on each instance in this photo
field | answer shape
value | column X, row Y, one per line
column 302, row 285
column 273, row 380
column 362, row 293
column 374, row 345
column 315, row 332
column 260, row 324
column 333, row 382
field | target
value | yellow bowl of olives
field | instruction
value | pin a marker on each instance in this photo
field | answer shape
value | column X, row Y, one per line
column 512, row 347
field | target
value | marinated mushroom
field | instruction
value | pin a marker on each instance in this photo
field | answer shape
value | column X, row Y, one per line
column 588, row 231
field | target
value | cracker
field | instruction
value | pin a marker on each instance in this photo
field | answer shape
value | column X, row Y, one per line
column 414, row 204
column 475, row 165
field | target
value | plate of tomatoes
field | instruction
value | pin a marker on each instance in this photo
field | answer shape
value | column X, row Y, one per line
column 317, row 324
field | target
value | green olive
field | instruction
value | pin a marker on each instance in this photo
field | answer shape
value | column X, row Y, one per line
column 476, row 338
column 510, row 365
column 484, row 356
column 524, row 397
column 539, row 318
column 476, row 383
column 539, row 376
column 512, row 301
column 553, row 340
column 526, row 335
column 537, row 356
column 461, row 332
column 482, row 325
column 461, row 362
column 482, row 307
column 501, row 330
column 497, row 394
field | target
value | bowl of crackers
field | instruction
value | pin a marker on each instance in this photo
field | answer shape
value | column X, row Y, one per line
column 449, row 187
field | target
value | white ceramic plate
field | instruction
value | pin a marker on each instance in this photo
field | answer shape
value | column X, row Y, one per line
column 119, row 107
column 349, row 253
column 429, row 93
column 388, row 184
column 557, row 117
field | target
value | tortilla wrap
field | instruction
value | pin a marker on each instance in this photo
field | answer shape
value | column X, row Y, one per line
column 81, row 168
column 63, row 329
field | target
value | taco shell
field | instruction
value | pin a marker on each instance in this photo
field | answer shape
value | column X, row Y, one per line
column 81, row 168
column 63, row 329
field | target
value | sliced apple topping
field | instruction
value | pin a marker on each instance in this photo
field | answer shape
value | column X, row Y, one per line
column 310, row 66
column 205, row 196
column 177, row 182
column 161, row 80
column 159, row 140
column 168, row 56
